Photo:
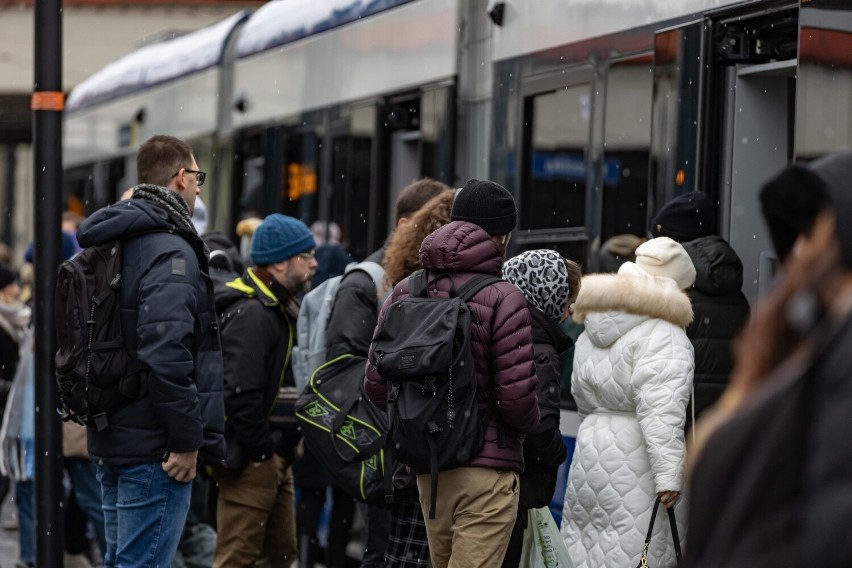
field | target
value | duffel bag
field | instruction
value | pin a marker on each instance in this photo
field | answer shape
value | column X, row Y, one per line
column 345, row 431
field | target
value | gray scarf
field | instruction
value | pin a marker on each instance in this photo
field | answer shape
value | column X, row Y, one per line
column 168, row 199
column 14, row 319
column 171, row 202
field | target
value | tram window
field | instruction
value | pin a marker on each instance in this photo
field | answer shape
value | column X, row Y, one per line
column 435, row 128
column 554, row 186
column 823, row 114
column 351, row 156
column 627, row 147
column 300, row 176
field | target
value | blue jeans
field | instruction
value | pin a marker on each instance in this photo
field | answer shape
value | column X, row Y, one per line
column 24, row 493
column 144, row 514
column 87, row 490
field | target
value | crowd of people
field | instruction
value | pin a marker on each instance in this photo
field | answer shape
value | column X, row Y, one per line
column 731, row 419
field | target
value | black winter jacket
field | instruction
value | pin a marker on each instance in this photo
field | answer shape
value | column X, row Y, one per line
column 771, row 486
column 257, row 341
column 720, row 309
column 354, row 313
column 169, row 324
column 544, row 450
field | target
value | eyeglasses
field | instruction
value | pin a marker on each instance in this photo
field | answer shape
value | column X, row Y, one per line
column 199, row 175
column 307, row 256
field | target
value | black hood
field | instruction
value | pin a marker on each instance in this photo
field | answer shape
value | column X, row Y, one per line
column 545, row 330
column 718, row 269
column 123, row 219
column 835, row 170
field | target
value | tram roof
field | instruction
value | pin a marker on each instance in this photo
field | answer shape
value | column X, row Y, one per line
column 155, row 64
column 284, row 21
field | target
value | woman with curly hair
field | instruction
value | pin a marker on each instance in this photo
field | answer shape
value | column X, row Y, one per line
column 407, row 544
column 401, row 255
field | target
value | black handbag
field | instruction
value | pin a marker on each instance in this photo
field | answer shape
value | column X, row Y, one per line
column 643, row 560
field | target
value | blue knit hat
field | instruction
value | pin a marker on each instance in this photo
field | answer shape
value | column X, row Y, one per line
column 278, row 238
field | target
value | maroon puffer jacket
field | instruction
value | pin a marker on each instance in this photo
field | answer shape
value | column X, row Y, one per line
column 501, row 342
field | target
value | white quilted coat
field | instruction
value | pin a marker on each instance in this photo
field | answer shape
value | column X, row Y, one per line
column 632, row 379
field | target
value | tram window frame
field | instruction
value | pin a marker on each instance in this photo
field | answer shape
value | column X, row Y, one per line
column 294, row 149
column 352, row 136
column 614, row 220
column 575, row 236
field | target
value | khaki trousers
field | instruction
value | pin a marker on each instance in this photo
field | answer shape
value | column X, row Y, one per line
column 256, row 516
column 474, row 516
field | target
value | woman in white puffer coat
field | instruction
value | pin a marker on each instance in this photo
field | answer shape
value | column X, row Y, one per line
column 633, row 370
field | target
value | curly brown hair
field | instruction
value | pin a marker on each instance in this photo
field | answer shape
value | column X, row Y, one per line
column 402, row 256
column 575, row 277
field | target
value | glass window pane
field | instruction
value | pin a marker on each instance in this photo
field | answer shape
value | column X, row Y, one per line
column 554, row 194
column 627, row 142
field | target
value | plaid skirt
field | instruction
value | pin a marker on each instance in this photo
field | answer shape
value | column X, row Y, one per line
column 407, row 543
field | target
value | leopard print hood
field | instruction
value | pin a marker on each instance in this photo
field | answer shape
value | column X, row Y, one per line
column 542, row 277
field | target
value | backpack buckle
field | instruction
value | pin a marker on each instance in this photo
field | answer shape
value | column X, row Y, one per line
column 393, row 393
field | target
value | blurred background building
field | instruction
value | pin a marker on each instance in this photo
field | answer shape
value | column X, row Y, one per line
column 95, row 32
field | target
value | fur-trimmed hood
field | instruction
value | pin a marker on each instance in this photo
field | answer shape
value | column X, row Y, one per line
column 612, row 304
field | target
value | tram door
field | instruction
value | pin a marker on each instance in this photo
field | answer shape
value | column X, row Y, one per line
column 758, row 140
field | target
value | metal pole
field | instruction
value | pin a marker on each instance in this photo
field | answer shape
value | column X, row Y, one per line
column 47, row 105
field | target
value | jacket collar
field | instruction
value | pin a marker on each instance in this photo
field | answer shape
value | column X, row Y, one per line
column 633, row 294
column 252, row 285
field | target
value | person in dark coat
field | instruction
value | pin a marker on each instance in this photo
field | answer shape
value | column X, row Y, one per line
column 483, row 215
column 150, row 449
column 770, row 480
column 719, row 305
column 332, row 258
column 14, row 319
column 350, row 330
column 407, row 543
column 550, row 283
column 256, row 512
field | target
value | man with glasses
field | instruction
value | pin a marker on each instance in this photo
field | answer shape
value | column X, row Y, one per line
column 149, row 451
column 256, row 511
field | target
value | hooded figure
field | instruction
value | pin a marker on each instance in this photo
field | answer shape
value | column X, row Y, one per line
column 719, row 305
column 633, row 369
column 544, row 279
column 770, row 479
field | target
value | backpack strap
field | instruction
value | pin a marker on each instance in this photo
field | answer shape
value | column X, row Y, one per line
column 375, row 271
column 418, row 283
column 466, row 292
column 475, row 284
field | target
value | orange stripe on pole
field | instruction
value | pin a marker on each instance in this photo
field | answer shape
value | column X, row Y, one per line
column 48, row 100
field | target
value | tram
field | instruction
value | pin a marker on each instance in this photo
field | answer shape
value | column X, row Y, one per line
column 592, row 112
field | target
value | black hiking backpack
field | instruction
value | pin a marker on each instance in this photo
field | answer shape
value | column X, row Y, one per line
column 422, row 351
column 95, row 373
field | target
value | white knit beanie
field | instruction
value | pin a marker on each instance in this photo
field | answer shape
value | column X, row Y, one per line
column 664, row 257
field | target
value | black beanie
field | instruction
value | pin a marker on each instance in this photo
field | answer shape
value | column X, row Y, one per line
column 835, row 170
column 7, row 276
column 487, row 204
column 686, row 217
column 790, row 202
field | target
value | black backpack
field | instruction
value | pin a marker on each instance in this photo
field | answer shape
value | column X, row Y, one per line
column 95, row 373
column 422, row 351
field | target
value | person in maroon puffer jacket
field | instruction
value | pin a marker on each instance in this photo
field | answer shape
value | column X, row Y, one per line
column 479, row 501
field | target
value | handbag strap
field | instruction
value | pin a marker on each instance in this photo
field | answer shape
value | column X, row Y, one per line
column 643, row 559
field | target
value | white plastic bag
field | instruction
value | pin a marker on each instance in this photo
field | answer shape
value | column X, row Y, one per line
column 543, row 545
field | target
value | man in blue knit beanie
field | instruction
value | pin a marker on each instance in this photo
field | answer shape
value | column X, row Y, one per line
column 256, row 512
